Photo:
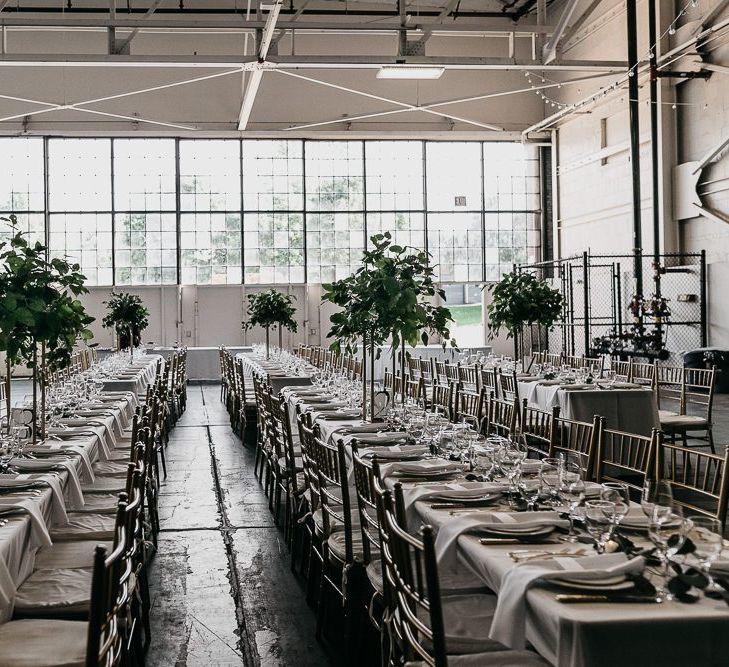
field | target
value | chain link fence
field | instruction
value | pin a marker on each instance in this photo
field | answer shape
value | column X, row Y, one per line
column 598, row 290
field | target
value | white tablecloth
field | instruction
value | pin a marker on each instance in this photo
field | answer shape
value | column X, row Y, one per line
column 630, row 410
column 276, row 378
column 141, row 373
column 17, row 553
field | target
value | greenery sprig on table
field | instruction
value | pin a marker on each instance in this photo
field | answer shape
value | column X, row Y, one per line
column 519, row 300
column 389, row 297
column 270, row 308
column 128, row 316
column 38, row 307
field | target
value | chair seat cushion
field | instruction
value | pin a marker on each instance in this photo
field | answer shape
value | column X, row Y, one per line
column 337, row 544
column 61, row 593
column 105, row 485
column 43, row 643
column 111, row 469
column 683, row 421
column 86, row 526
column 69, row 554
column 95, row 503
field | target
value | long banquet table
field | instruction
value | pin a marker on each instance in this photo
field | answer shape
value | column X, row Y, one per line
column 67, row 455
column 630, row 409
column 272, row 372
column 568, row 635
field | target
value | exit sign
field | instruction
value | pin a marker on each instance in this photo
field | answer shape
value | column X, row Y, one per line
column 460, row 201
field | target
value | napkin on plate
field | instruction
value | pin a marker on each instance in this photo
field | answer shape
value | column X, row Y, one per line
column 58, row 505
column 363, row 428
column 396, row 452
column 505, row 522
column 509, row 622
column 445, row 491
column 421, row 468
column 75, row 495
column 39, row 536
column 382, row 438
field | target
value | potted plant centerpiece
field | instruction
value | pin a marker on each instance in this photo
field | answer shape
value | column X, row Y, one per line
column 520, row 300
column 270, row 308
column 39, row 312
column 128, row 316
column 389, row 297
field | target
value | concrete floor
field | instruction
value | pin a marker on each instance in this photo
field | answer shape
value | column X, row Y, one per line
column 223, row 593
column 222, row 589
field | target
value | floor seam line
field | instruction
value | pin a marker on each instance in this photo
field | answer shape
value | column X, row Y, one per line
column 244, row 640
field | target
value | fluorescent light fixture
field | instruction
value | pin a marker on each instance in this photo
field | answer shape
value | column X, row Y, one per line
column 409, row 72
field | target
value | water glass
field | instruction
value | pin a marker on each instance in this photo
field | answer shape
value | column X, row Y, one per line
column 599, row 517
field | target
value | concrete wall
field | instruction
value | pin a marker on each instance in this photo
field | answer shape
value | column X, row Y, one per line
column 594, row 172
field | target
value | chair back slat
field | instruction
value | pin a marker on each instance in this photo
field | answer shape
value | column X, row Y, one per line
column 626, row 457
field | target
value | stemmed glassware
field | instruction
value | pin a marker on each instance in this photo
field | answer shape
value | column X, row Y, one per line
column 668, row 531
column 599, row 519
column 706, row 534
column 618, row 494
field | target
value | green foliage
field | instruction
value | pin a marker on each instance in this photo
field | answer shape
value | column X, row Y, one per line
column 38, row 303
column 271, row 307
column 126, row 311
column 521, row 299
column 388, row 296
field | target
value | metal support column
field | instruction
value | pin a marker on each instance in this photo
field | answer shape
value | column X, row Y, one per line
column 633, row 106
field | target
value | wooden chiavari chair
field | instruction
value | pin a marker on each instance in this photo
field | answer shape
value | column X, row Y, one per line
column 433, row 626
column 415, row 390
column 579, row 439
column 699, row 480
column 441, row 376
column 469, row 377
column 442, row 400
column 452, row 373
column 426, row 369
column 503, row 416
column 645, row 373
column 669, row 388
column 471, row 407
column 695, row 406
column 508, row 386
column 537, row 426
column 626, row 457
column 621, row 369
column 489, row 380
column 342, row 546
column 412, row 368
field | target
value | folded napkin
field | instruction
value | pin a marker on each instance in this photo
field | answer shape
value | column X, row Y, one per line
column 363, row 428
column 58, row 507
column 383, row 438
column 576, row 387
column 396, row 452
column 509, row 622
column 424, row 468
column 447, row 539
column 71, row 433
column 336, row 414
column 549, row 383
column 73, row 488
column 325, row 405
column 445, row 491
column 39, row 536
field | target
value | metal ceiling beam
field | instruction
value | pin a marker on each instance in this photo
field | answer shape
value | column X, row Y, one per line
column 549, row 53
column 127, row 41
column 237, row 21
column 302, row 62
column 433, row 105
column 254, row 82
column 404, row 105
column 581, row 20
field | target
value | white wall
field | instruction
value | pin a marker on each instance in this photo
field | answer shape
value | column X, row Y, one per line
column 594, row 173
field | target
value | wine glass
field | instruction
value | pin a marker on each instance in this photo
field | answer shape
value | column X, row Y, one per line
column 572, row 493
column 656, row 494
column 550, row 475
column 706, row 534
column 618, row 494
column 668, row 531
column 599, row 517
column 530, row 489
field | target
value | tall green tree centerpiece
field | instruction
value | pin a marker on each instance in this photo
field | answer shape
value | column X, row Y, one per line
column 521, row 300
column 39, row 312
column 270, row 308
column 128, row 317
column 390, row 297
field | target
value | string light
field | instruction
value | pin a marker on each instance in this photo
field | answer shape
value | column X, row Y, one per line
column 633, row 71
